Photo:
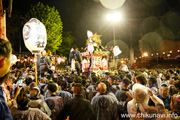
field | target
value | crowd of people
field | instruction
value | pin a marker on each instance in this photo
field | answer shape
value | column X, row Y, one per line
column 137, row 94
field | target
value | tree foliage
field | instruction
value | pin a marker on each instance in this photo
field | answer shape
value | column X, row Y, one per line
column 66, row 43
column 50, row 17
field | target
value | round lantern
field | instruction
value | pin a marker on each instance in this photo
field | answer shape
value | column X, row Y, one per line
column 35, row 36
column 112, row 4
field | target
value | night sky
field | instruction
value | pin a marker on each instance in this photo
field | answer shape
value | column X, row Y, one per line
column 140, row 18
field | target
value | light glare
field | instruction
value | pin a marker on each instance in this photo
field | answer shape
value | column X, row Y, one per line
column 114, row 17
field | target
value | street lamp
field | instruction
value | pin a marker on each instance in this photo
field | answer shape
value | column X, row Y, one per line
column 113, row 18
column 145, row 55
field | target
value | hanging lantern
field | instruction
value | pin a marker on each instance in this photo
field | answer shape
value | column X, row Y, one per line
column 116, row 51
column 35, row 36
column 90, row 47
column 89, row 34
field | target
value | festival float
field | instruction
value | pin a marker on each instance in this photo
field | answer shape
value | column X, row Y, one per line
column 96, row 56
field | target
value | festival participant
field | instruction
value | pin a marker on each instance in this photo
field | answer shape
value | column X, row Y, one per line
column 175, row 101
column 123, row 95
column 77, row 108
column 44, row 63
column 23, row 112
column 54, row 102
column 164, row 96
column 63, row 92
column 141, row 79
column 37, row 102
column 105, row 104
column 5, row 62
column 138, row 106
column 92, row 86
column 91, row 89
column 112, row 79
column 152, row 82
column 165, row 78
column 75, row 60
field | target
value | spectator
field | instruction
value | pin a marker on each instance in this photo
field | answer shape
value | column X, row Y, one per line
column 141, row 80
column 54, row 102
column 76, row 57
column 175, row 101
column 139, row 103
column 92, row 86
column 31, row 86
column 164, row 96
column 91, row 89
column 77, row 108
column 123, row 95
column 105, row 104
column 5, row 50
column 165, row 78
column 23, row 112
column 111, row 80
column 153, row 85
column 44, row 63
column 36, row 102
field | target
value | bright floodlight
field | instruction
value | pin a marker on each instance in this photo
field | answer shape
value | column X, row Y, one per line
column 114, row 17
column 109, row 17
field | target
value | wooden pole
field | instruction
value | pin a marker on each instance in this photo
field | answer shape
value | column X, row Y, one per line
column 3, row 26
column 35, row 60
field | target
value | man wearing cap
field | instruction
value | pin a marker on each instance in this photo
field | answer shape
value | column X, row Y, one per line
column 164, row 96
column 54, row 102
column 36, row 102
column 5, row 62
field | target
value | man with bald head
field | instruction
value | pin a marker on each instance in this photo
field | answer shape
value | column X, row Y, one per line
column 105, row 104
column 102, row 88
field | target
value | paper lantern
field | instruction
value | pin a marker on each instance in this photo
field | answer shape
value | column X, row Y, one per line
column 13, row 59
column 35, row 36
column 116, row 51
column 90, row 47
column 89, row 34
column 112, row 4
